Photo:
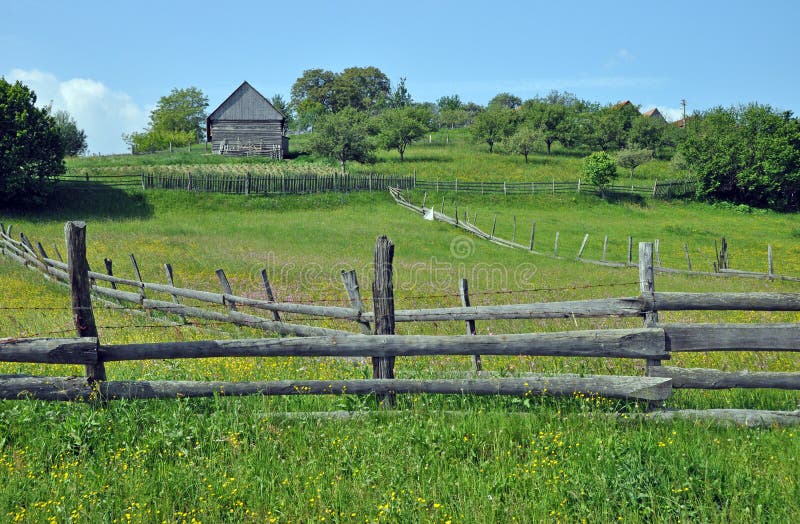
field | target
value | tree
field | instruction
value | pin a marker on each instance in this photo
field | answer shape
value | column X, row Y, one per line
column 631, row 158
column 647, row 133
column 492, row 126
column 73, row 139
column 506, row 100
column 400, row 97
column 451, row 102
column 556, row 116
column 399, row 127
column 362, row 88
column 612, row 125
column 31, row 151
column 343, row 136
column 600, row 168
column 747, row 155
column 524, row 140
column 283, row 106
column 182, row 110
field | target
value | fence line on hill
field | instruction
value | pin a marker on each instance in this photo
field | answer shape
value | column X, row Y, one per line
column 248, row 183
column 720, row 263
column 655, row 342
column 664, row 189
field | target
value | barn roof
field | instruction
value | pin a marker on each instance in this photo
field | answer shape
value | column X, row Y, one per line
column 246, row 104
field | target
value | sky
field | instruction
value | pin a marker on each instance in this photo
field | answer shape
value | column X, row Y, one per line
column 108, row 62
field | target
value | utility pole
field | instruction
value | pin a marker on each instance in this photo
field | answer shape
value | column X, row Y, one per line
column 683, row 105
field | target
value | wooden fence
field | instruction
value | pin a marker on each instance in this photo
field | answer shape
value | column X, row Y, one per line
column 250, row 184
column 655, row 342
column 668, row 189
column 466, row 223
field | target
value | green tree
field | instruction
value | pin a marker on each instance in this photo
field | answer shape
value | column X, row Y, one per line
column 600, row 169
column 31, row 151
column 748, row 155
column 631, row 158
column 525, row 140
column 399, row 127
column 492, row 126
column 73, row 138
column 556, row 115
column 647, row 133
column 612, row 125
column 182, row 110
column 312, row 90
column 400, row 97
column 362, row 88
column 504, row 100
column 343, row 136
column 450, row 102
column 279, row 103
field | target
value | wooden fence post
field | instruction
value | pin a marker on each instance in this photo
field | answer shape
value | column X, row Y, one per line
column 81, row 300
column 494, row 224
column 630, row 250
column 688, row 260
column 270, row 296
column 138, row 276
column 555, row 247
column 583, row 245
column 350, row 281
column 514, row 233
column 463, row 289
column 605, row 247
column 226, row 288
column 648, row 289
column 58, row 253
column 657, row 253
column 383, row 307
column 171, row 282
column 769, row 260
column 110, row 270
column 533, row 234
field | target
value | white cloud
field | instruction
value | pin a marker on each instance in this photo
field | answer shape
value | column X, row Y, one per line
column 102, row 113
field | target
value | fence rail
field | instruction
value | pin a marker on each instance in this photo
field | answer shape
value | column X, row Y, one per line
column 654, row 342
column 667, row 189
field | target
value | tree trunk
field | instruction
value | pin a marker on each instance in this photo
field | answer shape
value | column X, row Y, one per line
column 549, row 143
column 343, row 171
column 526, row 158
column 491, row 146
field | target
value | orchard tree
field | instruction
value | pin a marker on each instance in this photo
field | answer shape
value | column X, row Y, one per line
column 399, row 127
column 182, row 110
column 312, row 90
column 450, row 102
column 647, row 132
column 31, row 151
column 343, row 136
column 283, row 106
column 556, row 115
column 492, row 126
column 600, row 168
column 747, row 155
column 362, row 88
column 631, row 158
column 400, row 97
column 504, row 100
column 525, row 140
column 73, row 138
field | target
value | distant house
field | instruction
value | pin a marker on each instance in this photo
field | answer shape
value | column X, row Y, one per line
column 247, row 124
column 655, row 113
column 625, row 103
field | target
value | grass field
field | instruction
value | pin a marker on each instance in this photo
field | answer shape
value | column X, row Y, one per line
column 445, row 155
column 437, row 459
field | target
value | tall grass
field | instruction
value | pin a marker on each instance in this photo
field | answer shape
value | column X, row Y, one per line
column 438, row 459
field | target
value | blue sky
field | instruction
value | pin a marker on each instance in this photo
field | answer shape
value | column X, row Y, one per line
column 108, row 62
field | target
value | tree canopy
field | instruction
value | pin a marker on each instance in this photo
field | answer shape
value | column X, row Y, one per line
column 492, row 126
column 600, row 168
column 343, row 136
column 31, row 150
column 397, row 128
column 362, row 88
column 73, row 138
column 182, row 110
column 748, row 155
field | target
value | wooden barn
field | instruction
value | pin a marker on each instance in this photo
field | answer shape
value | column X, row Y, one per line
column 247, row 124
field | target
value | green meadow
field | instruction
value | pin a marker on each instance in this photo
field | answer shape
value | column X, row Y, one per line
column 435, row 459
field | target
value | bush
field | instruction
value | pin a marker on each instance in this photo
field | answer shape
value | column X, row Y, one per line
column 600, row 168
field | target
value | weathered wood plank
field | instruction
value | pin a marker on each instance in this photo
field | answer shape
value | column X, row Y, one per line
column 50, row 350
column 739, row 417
column 726, row 301
column 618, row 343
column 732, row 337
column 76, row 388
column 697, row 378
column 623, row 307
